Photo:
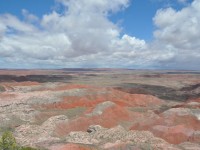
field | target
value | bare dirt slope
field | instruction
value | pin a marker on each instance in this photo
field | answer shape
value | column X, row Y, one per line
column 101, row 108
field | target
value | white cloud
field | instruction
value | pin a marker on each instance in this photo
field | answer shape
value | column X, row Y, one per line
column 179, row 30
column 13, row 23
column 83, row 36
column 29, row 17
column 97, row 6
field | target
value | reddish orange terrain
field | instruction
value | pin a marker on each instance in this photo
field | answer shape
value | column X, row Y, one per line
column 101, row 109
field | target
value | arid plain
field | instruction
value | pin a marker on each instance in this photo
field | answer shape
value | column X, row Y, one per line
column 94, row 109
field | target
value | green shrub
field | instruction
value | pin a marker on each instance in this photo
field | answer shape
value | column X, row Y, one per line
column 8, row 142
column 2, row 89
column 27, row 148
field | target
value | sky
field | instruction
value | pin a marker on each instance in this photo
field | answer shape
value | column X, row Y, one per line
column 138, row 34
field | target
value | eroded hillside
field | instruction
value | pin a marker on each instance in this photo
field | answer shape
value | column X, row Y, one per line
column 101, row 109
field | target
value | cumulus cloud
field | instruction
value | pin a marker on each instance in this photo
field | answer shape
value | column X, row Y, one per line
column 83, row 36
column 98, row 6
column 78, row 37
column 179, row 30
column 29, row 17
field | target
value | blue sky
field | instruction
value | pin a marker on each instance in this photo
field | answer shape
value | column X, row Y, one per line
column 135, row 20
column 102, row 33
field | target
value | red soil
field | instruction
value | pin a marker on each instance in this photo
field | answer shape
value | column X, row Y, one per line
column 118, row 97
column 175, row 134
column 71, row 147
column 68, row 87
column 109, row 118
column 6, row 95
column 173, row 127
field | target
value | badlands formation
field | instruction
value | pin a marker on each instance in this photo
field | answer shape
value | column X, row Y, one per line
column 101, row 109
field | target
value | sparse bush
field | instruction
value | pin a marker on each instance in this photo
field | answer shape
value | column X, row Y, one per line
column 146, row 146
column 27, row 148
column 8, row 142
column 2, row 89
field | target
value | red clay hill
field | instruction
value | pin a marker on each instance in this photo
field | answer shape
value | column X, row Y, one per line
column 90, row 109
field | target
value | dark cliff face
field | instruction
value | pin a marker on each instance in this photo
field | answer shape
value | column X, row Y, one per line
column 161, row 92
column 191, row 87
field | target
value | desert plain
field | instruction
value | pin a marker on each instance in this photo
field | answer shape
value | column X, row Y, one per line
column 101, row 109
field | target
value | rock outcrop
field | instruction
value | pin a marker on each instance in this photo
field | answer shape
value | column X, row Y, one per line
column 117, row 137
column 35, row 135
